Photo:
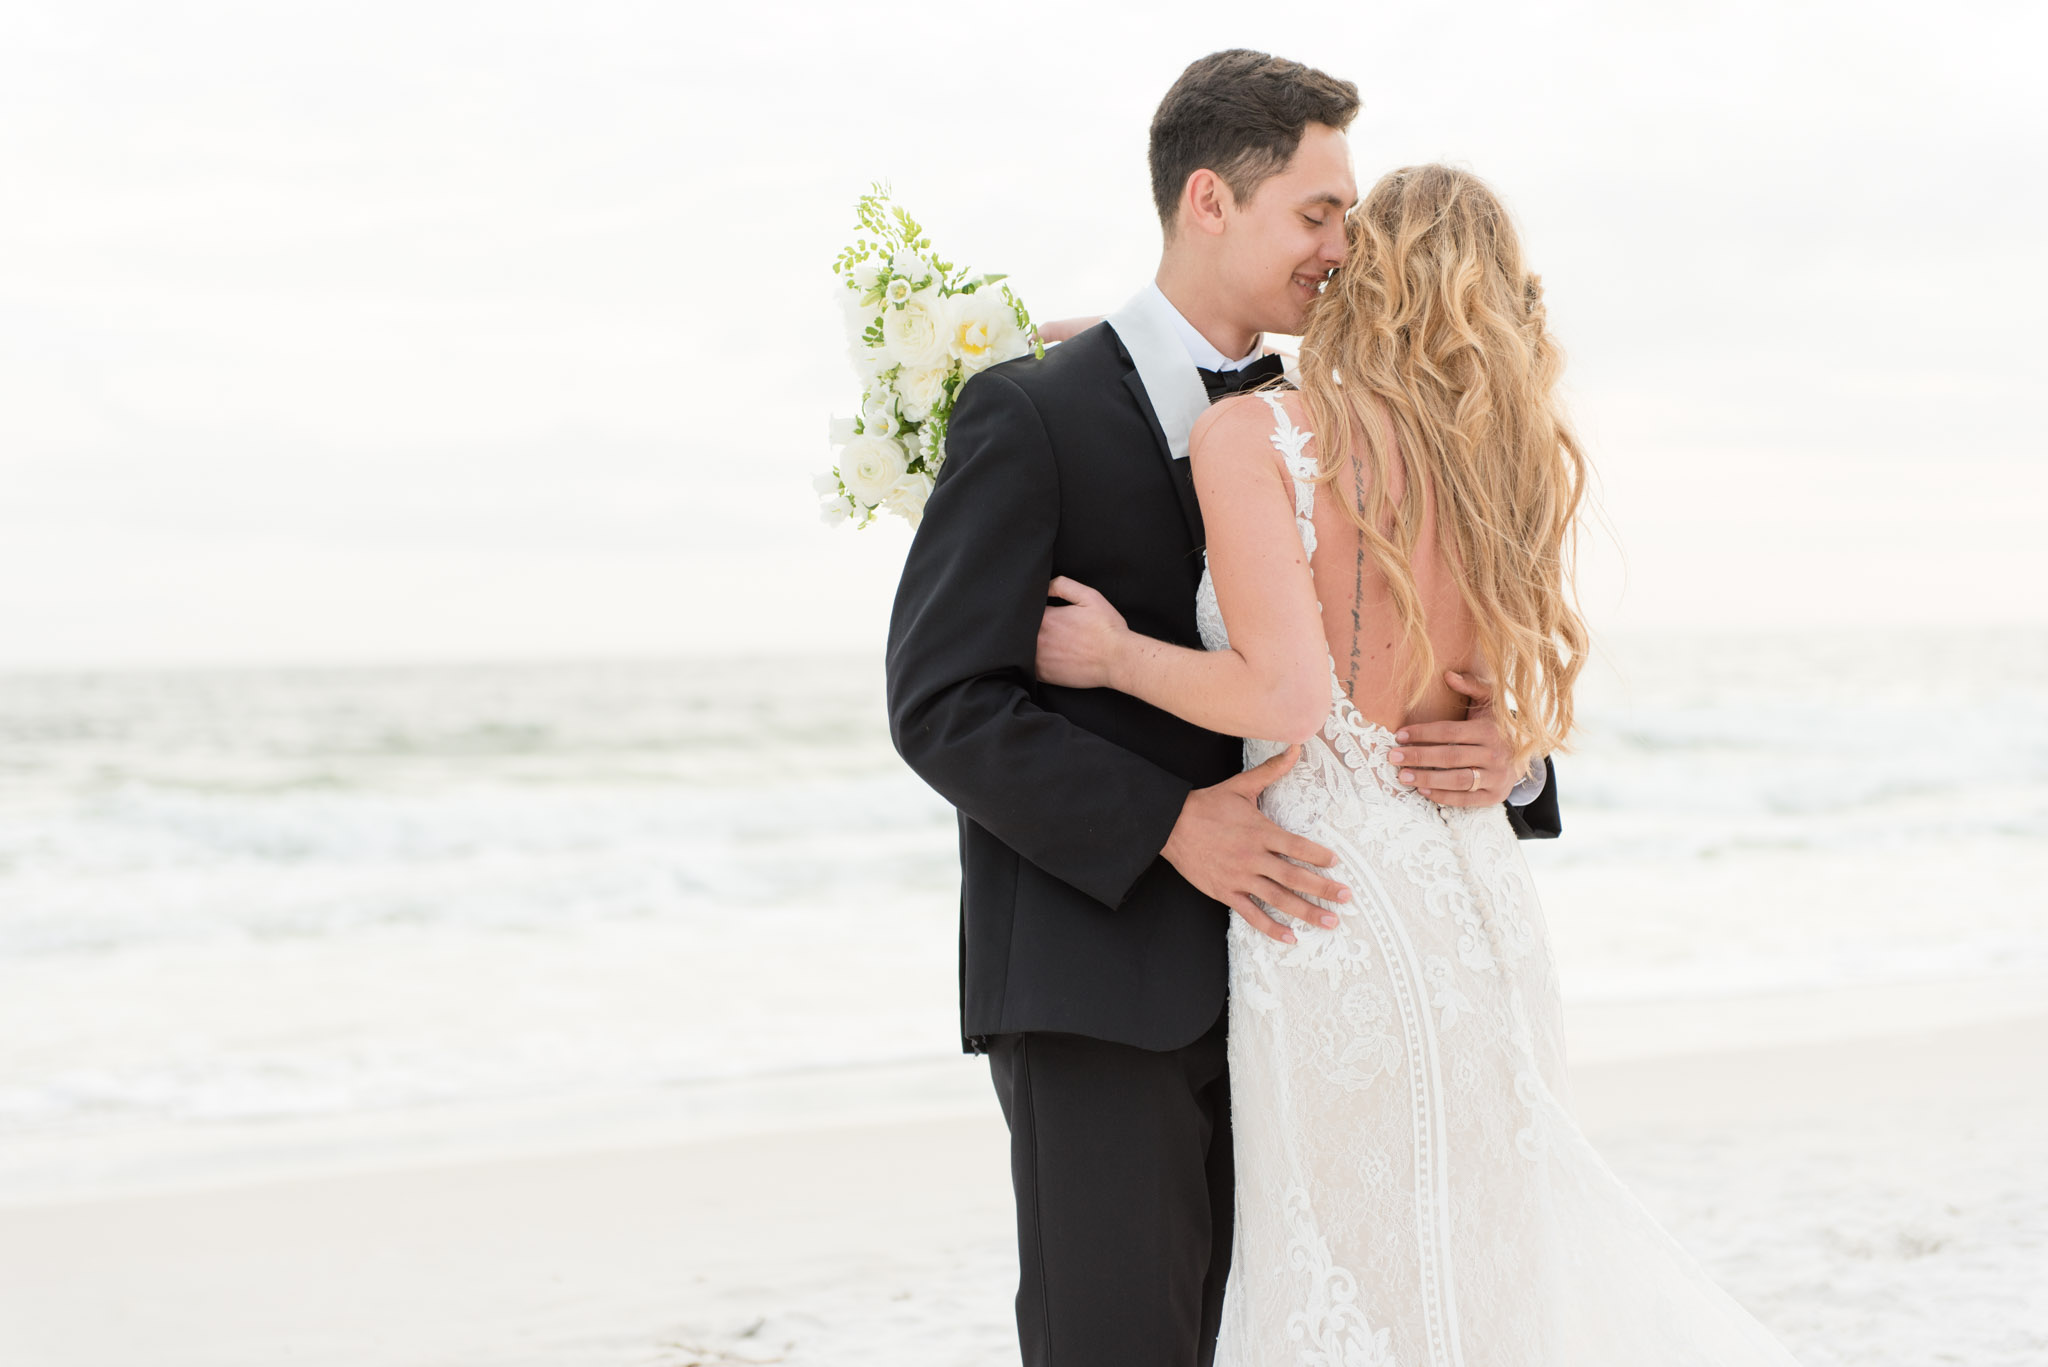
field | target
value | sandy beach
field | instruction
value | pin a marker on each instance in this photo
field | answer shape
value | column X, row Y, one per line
column 1881, row 1201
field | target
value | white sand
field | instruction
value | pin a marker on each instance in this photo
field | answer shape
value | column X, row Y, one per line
column 1881, row 1202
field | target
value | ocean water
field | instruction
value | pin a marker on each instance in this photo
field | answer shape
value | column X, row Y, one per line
column 233, row 899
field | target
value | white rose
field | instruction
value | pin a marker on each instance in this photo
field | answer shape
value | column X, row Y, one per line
column 907, row 498
column 981, row 329
column 870, row 467
column 915, row 335
column 922, row 390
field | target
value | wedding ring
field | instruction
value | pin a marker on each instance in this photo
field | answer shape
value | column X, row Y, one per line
column 1475, row 780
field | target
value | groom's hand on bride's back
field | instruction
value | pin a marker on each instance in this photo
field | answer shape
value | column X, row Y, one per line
column 1227, row 848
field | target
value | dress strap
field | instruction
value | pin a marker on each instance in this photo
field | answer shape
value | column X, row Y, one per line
column 1289, row 440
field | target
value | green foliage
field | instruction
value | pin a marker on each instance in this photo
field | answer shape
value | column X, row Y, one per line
column 887, row 229
column 1023, row 317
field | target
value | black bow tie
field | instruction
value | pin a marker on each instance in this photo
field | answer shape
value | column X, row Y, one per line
column 1222, row 382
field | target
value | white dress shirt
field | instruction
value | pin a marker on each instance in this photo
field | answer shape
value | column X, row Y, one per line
column 1200, row 348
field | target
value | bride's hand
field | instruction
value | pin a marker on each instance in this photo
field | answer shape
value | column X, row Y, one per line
column 1078, row 645
column 1465, row 763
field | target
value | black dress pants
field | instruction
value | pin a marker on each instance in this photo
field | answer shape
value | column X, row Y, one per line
column 1121, row 1161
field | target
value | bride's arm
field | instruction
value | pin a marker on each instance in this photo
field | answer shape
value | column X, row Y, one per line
column 1060, row 329
column 1273, row 681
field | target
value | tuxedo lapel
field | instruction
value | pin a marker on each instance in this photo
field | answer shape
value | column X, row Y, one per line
column 1169, row 393
column 1178, row 471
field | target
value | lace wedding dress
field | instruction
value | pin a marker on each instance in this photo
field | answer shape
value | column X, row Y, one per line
column 1411, row 1186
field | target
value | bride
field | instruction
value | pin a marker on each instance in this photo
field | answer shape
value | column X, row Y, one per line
column 1411, row 1186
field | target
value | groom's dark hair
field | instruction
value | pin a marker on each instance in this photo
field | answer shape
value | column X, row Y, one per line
column 1241, row 114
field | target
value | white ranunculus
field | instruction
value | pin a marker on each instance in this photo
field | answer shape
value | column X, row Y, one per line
column 907, row 498
column 981, row 329
column 870, row 467
column 915, row 335
column 840, row 431
column 920, row 391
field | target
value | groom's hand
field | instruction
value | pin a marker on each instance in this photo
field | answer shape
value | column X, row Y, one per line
column 1226, row 847
column 1458, row 763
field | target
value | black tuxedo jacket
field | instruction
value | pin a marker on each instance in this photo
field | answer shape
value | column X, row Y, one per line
column 1069, row 919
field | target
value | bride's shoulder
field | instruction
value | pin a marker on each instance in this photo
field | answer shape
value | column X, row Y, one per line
column 1230, row 420
column 1241, row 425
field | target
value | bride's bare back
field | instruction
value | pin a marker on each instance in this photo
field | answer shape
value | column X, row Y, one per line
column 1360, row 622
column 1361, row 626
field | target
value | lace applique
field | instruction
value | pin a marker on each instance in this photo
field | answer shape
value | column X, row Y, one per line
column 1291, row 442
column 1445, row 995
column 1357, row 1047
column 1330, row 1325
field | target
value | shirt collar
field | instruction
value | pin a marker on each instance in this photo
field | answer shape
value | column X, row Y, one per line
column 1200, row 349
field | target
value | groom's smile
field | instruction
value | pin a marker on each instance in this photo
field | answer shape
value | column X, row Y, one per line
column 1294, row 223
column 1239, row 266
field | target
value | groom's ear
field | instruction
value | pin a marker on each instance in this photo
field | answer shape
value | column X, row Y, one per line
column 1206, row 204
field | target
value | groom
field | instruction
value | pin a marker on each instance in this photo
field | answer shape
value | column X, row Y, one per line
column 1103, row 843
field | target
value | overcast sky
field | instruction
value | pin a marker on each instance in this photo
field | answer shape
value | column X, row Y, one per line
column 424, row 330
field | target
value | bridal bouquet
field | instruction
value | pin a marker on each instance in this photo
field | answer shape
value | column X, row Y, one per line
column 917, row 328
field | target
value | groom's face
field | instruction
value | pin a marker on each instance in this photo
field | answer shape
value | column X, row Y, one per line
column 1285, row 240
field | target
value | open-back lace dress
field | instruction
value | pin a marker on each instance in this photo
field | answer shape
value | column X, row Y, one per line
column 1411, row 1186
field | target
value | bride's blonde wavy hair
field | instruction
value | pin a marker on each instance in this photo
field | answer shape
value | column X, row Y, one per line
column 1433, row 316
